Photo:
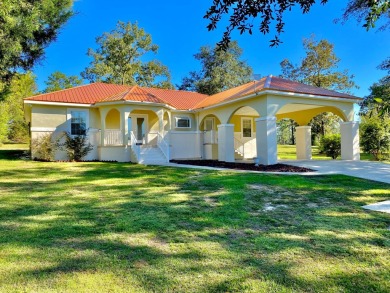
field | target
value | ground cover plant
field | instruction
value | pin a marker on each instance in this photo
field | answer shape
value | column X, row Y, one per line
column 119, row 227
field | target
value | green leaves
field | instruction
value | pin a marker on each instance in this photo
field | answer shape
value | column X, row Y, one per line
column 243, row 13
column 221, row 70
column 118, row 58
column 59, row 81
column 27, row 27
column 378, row 101
column 13, row 124
column 319, row 67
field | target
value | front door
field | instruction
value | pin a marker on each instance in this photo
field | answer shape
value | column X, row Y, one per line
column 139, row 128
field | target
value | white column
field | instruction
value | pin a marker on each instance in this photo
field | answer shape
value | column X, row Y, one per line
column 103, row 113
column 350, row 148
column 226, row 142
column 160, row 115
column 303, row 142
column 266, row 141
column 125, row 112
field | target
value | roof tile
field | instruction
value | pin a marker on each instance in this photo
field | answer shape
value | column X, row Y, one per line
column 181, row 100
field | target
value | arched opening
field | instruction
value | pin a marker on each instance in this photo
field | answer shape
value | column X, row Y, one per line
column 323, row 124
column 244, row 123
column 113, row 119
column 208, row 126
column 286, row 138
column 144, row 126
column 112, row 133
column 303, row 125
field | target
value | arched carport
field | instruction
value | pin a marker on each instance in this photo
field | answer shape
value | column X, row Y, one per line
column 272, row 100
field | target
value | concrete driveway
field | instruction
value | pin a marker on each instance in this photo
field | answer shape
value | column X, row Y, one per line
column 362, row 169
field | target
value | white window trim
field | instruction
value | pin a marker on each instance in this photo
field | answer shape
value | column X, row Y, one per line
column 69, row 118
column 183, row 117
column 242, row 126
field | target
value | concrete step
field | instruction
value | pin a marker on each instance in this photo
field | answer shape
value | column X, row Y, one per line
column 150, row 155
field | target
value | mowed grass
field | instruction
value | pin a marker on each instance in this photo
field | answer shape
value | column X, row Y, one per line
column 111, row 227
column 288, row 152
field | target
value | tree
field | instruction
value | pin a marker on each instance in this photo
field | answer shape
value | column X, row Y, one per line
column 286, row 131
column 319, row 68
column 243, row 13
column 75, row 146
column 375, row 136
column 59, row 81
column 331, row 145
column 118, row 59
column 4, row 116
column 27, row 27
column 221, row 70
column 378, row 101
column 22, row 86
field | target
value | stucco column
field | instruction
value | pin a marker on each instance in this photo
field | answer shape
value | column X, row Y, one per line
column 125, row 112
column 303, row 142
column 103, row 113
column 160, row 115
column 350, row 148
column 266, row 140
column 226, row 142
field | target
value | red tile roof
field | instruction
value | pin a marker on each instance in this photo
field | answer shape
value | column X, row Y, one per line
column 84, row 94
column 269, row 83
column 181, row 100
column 135, row 93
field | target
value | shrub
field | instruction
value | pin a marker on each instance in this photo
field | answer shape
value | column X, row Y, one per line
column 375, row 137
column 331, row 145
column 44, row 147
column 76, row 146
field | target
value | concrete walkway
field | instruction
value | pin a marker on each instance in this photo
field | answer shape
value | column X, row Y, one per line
column 383, row 206
column 362, row 169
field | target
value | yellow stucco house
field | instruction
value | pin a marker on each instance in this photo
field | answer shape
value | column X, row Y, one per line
column 149, row 125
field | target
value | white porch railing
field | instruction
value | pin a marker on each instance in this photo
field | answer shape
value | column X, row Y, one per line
column 113, row 137
column 135, row 148
column 239, row 147
column 163, row 144
column 210, row 137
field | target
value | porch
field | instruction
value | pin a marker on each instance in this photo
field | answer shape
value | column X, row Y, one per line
column 135, row 135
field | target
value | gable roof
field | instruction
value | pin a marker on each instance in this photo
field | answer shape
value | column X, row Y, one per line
column 181, row 100
column 134, row 93
column 269, row 83
column 103, row 92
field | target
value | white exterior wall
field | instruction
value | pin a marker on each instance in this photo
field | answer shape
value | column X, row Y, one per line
column 115, row 153
column 248, row 147
column 185, row 145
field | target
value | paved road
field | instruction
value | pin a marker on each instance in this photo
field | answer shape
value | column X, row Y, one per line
column 362, row 169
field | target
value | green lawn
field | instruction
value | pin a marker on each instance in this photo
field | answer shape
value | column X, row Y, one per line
column 288, row 152
column 111, row 227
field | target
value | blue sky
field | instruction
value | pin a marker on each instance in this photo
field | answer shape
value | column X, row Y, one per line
column 179, row 29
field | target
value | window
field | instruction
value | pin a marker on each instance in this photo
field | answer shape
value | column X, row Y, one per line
column 78, row 122
column 246, row 127
column 183, row 122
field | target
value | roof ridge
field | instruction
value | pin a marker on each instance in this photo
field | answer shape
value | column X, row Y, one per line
column 175, row 90
column 125, row 93
column 267, row 83
column 314, row 86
